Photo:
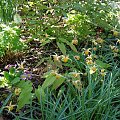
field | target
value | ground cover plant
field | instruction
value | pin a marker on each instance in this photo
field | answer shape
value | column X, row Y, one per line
column 59, row 59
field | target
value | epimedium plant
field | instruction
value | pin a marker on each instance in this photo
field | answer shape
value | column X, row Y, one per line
column 80, row 80
column 78, row 20
column 92, row 86
column 83, row 107
column 90, row 63
column 87, row 70
column 10, row 39
column 18, row 82
column 84, row 20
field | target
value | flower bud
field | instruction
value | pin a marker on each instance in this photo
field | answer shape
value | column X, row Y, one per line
column 75, row 42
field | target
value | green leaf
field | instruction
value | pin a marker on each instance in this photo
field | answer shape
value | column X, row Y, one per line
column 48, row 81
column 45, row 42
column 102, row 64
column 26, row 93
column 62, row 48
column 62, row 40
column 17, row 19
column 24, row 99
column 57, row 83
column 12, row 70
column 6, row 75
column 40, row 94
column 16, row 80
column 69, row 44
column 42, row 7
column 72, row 47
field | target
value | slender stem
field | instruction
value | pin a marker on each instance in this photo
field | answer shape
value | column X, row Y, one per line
column 90, row 85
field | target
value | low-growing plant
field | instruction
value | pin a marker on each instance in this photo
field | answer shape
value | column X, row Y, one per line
column 10, row 39
column 82, row 78
column 71, row 103
column 18, row 82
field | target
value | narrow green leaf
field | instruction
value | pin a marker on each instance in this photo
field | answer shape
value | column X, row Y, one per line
column 12, row 70
column 69, row 44
column 5, row 103
column 72, row 47
column 6, row 75
column 48, row 81
column 62, row 48
column 17, row 79
column 102, row 64
column 40, row 94
column 57, row 83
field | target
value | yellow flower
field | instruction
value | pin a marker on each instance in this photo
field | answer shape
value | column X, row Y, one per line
column 65, row 58
column 118, row 41
column 17, row 91
column 116, row 50
column 102, row 70
column 111, row 47
column 75, row 42
column 93, row 70
column 56, row 58
column 77, row 57
column 89, row 62
column 94, row 42
column 115, row 33
column 21, row 65
column 58, row 76
column 10, row 107
column 103, row 73
column 53, row 72
column 77, row 84
column 94, row 48
column 75, row 74
column 87, row 51
column 89, row 58
column 99, row 40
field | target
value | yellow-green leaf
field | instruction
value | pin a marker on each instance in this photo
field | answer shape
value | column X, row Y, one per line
column 102, row 64
column 40, row 94
column 48, row 81
column 57, row 83
column 62, row 48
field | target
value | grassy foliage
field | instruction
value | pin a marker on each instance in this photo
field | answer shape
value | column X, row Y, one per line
column 82, row 75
